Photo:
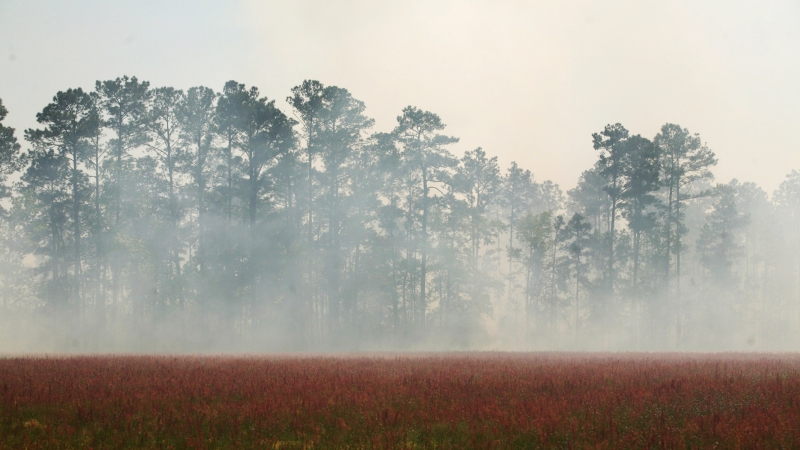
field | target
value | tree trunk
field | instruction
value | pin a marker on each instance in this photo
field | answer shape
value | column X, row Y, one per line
column 679, row 325
column 76, row 210
column 424, row 249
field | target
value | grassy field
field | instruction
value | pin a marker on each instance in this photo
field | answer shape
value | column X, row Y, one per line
column 466, row 400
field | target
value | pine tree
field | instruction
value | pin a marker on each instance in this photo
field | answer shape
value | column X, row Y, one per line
column 426, row 157
column 70, row 121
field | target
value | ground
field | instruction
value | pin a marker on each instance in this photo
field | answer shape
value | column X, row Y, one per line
column 461, row 400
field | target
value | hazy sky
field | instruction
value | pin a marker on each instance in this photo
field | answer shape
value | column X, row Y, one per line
column 526, row 80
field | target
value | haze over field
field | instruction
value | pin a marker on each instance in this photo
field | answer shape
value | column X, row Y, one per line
column 384, row 202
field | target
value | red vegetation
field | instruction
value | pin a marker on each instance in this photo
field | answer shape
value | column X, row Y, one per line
column 428, row 401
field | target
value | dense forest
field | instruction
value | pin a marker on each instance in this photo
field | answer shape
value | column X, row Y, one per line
column 142, row 218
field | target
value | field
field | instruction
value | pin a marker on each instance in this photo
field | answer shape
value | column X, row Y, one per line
column 471, row 400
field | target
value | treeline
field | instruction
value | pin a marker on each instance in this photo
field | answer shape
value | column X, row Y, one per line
column 213, row 220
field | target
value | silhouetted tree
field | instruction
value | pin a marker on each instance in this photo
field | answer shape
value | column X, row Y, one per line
column 9, row 153
column 70, row 121
column 611, row 142
column 684, row 160
column 426, row 157
column 580, row 240
column 123, row 110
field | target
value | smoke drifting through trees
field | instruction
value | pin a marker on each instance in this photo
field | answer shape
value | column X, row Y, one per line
column 154, row 219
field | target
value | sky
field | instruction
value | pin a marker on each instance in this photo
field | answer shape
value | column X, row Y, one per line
column 528, row 81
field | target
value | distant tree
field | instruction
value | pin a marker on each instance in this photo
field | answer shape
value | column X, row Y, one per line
column 389, row 215
column 153, row 287
column 426, row 157
column 15, row 245
column 342, row 125
column 96, row 155
column 163, row 124
column 517, row 186
column 684, row 160
column 10, row 163
column 547, row 196
column 70, row 121
column 266, row 135
column 753, row 202
column 454, row 278
column 578, row 230
column 123, row 101
column 589, row 198
column 787, row 200
column 286, row 248
column 122, row 104
column 307, row 99
column 534, row 232
column 612, row 144
column 478, row 179
column 45, row 185
column 196, row 116
column 366, row 289
column 229, row 120
column 782, row 247
column 719, row 244
column 640, row 172
column 9, row 154
column 557, row 263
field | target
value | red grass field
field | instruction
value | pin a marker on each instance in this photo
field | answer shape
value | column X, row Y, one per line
column 428, row 401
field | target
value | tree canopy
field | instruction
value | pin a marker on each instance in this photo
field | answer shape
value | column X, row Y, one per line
column 194, row 219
